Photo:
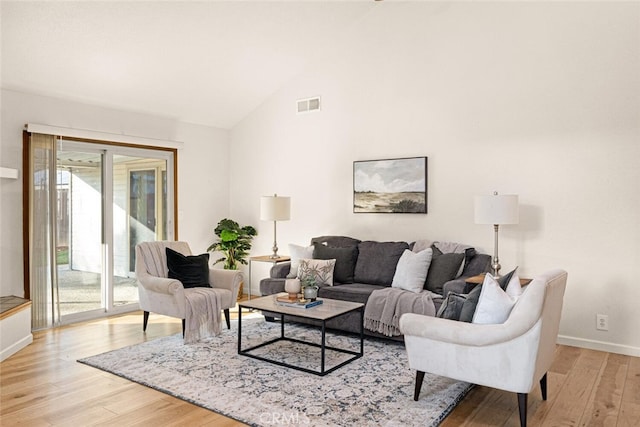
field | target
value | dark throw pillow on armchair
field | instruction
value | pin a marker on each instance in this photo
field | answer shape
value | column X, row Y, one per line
column 191, row 270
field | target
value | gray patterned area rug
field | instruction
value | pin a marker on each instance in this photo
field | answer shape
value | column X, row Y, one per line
column 375, row 390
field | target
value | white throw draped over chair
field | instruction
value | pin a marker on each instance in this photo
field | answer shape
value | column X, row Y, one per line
column 511, row 356
column 162, row 295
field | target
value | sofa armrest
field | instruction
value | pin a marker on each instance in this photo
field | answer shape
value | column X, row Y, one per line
column 225, row 279
column 463, row 333
column 280, row 270
column 271, row 286
column 459, row 286
column 160, row 285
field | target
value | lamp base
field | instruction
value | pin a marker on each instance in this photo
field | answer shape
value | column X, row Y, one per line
column 496, row 269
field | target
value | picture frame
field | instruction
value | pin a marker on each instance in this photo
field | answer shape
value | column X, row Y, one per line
column 390, row 185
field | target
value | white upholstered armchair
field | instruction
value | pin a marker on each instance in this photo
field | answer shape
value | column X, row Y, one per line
column 162, row 295
column 511, row 356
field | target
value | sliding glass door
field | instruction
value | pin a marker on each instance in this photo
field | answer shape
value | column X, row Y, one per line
column 79, row 213
column 101, row 201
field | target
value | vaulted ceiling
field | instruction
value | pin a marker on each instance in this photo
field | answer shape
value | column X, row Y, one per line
column 209, row 63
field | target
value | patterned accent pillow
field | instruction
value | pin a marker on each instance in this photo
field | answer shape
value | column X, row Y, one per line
column 320, row 269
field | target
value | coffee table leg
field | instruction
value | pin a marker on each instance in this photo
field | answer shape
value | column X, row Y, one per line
column 281, row 325
column 239, row 329
column 322, row 347
column 361, row 331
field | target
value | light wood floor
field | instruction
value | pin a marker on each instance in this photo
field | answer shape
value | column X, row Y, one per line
column 43, row 385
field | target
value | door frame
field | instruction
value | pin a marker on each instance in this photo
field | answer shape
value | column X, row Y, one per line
column 110, row 146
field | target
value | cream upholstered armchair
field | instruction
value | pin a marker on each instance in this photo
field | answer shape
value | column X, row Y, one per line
column 511, row 356
column 162, row 295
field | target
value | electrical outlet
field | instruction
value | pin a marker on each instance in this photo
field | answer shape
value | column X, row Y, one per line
column 602, row 322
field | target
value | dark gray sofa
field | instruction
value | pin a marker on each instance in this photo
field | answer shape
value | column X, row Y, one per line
column 364, row 266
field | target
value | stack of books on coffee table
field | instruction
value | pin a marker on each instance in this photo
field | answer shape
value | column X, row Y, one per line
column 287, row 301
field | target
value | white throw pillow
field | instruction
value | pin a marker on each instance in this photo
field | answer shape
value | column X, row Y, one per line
column 495, row 304
column 411, row 271
column 297, row 252
column 320, row 269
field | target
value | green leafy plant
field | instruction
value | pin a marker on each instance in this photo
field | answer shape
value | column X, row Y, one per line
column 308, row 280
column 234, row 242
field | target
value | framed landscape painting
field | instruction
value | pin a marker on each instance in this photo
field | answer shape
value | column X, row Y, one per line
column 390, row 186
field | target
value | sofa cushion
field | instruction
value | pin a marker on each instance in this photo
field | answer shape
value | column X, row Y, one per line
column 319, row 270
column 191, row 270
column 411, row 271
column 345, row 260
column 336, row 241
column 377, row 262
column 354, row 292
column 444, row 267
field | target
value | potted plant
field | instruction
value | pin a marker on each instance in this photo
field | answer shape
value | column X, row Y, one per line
column 234, row 242
column 309, row 287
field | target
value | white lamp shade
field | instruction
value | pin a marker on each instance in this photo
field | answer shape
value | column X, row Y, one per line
column 275, row 208
column 496, row 209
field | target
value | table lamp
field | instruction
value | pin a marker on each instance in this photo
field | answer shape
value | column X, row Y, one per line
column 275, row 208
column 497, row 210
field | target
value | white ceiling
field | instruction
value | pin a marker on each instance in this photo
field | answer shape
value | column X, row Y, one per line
column 209, row 63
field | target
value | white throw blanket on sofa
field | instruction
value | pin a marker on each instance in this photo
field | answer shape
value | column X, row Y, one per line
column 385, row 306
column 203, row 316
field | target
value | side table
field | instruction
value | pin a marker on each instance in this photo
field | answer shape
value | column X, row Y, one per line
column 471, row 282
column 265, row 258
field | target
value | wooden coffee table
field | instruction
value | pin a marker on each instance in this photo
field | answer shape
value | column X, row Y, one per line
column 329, row 309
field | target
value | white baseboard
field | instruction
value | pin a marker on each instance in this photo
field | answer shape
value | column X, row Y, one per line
column 16, row 347
column 599, row 345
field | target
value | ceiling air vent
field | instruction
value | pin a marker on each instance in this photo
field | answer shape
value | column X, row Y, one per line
column 308, row 105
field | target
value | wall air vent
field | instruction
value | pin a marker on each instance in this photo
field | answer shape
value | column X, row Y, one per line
column 308, row 105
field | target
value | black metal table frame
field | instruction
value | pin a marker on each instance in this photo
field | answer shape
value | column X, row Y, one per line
column 322, row 345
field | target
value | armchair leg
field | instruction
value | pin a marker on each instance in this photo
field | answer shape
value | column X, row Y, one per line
column 227, row 318
column 419, row 379
column 543, row 386
column 184, row 322
column 145, row 320
column 522, row 406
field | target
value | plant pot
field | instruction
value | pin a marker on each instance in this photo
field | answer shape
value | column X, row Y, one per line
column 292, row 286
column 311, row 292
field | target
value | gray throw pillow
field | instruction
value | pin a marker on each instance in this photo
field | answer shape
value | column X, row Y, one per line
column 377, row 262
column 469, row 305
column 444, row 267
column 345, row 260
column 452, row 306
column 504, row 280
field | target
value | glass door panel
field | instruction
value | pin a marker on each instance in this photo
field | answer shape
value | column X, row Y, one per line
column 139, row 204
column 142, row 210
column 78, row 240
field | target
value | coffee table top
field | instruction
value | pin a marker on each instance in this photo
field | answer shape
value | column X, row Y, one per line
column 328, row 309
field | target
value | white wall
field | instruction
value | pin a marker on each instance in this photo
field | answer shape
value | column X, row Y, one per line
column 203, row 168
column 540, row 100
